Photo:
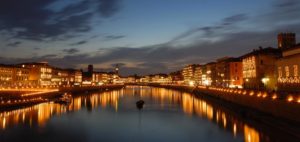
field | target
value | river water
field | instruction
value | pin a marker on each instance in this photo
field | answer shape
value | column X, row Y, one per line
column 167, row 116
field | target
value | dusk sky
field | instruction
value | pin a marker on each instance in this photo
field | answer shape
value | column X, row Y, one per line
column 142, row 36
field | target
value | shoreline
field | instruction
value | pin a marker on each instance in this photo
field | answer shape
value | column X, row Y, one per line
column 256, row 100
column 19, row 101
column 251, row 115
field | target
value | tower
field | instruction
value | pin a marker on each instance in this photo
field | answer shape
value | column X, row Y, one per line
column 90, row 68
column 286, row 40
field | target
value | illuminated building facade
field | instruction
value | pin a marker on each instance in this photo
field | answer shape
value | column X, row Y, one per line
column 77, row 76
column 288, row 70
column 259, row 68
column 160, row 78
column 176, row 77
column 66, row 77
column 13, row 76
column 198, row 74
column 236, row 73
column 59, row 77
column 21, row 77
column 130, row 79
column 211, row 74
column 229, row 72
column 40, row 74
column 6, row 75
column 99, row 78
column 188, row 73
column 145, row 79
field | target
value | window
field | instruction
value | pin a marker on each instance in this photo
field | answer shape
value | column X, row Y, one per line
column 279, row 72
column 287, row 71
column 295, row 70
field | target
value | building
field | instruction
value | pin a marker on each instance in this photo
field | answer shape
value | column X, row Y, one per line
column 210, row 76
column 229, row 72
column 288, row 70
column 40, row 74
column 77, row 74
column 161, row 79
column 176, row 77
column 14, row 76
column 286, row 40
column 21, row 77
column 66, row 77
column 59, row 77
column 6, row 75
column 198, row 74
column 236, row 73
column 188, row 74
column 145, row 79
column 100, row 78
column 259, row 68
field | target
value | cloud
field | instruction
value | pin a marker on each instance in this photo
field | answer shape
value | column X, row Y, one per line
column 114, row 37
column 71, row 50
column 48, row 56
column 34, row 19
column 233, row 40
column 234, row 19
column 212, row 30
column 286, row 3
column 14, row 44
column 79, row 43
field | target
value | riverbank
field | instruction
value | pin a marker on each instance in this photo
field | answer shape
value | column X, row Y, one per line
column 17, row 99
column 273, row 104
column 279, row 114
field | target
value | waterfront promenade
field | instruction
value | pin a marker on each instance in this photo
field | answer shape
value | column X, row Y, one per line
column 279, row 105
column 276, row 104
column 15, row 98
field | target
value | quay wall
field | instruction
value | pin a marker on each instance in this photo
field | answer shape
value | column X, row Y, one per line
column 270, row 103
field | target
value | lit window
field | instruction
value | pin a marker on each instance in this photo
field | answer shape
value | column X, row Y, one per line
column 295, row 70
column 287, row 71
column 279, row 72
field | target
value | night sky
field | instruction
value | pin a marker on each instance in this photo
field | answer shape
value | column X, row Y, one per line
column 142, row 36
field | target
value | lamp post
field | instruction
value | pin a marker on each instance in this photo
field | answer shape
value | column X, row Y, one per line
column 265, row 81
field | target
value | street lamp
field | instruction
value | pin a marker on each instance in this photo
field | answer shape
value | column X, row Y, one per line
column 191, row 83
column 265, row 81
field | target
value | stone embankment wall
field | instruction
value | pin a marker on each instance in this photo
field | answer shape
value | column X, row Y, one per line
column 283, row 106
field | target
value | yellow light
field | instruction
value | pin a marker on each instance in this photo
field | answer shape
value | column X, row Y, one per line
column 206, row 82
column 191, row 83
column 274, row 97
column 265, row 95
column 290, row 98
column 259, row 94
column 265, row 80
column 251, row 93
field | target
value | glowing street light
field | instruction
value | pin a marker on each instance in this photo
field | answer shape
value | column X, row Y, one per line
column 265, row 80
column 206, row 82
column 191, row 83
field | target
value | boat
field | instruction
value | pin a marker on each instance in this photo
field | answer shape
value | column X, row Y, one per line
column 65, row 99
column 140, row 104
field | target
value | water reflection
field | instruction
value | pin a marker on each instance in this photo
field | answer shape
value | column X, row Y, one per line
column 156, row 98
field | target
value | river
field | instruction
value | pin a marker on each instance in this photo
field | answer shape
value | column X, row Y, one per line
column 167, row 116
